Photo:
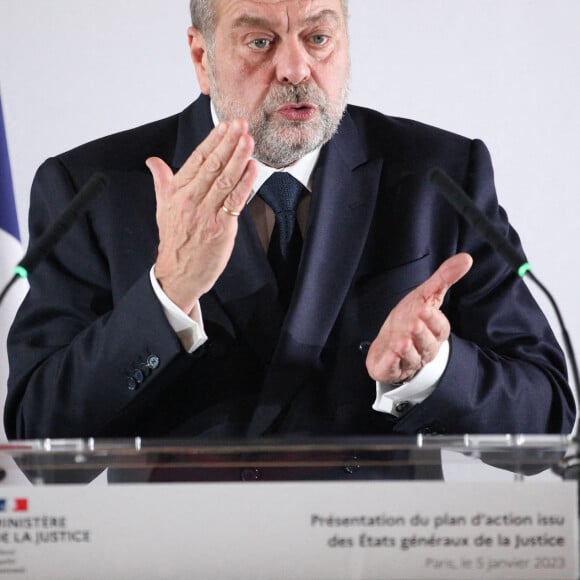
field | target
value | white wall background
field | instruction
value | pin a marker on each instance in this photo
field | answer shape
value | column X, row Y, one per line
column 506, row 71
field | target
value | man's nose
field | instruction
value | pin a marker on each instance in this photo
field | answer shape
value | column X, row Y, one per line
column 292, row 63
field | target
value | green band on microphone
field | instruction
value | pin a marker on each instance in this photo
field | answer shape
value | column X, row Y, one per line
column 524, row 269
column 20, row 271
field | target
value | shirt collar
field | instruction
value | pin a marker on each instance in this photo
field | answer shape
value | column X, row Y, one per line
column 302, row 170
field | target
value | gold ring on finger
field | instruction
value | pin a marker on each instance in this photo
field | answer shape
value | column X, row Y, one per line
column 230, row 211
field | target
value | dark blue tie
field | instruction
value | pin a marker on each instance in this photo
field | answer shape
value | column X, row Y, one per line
column 281, row 192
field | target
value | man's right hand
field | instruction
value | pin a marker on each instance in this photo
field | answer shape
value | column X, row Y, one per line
column 196, row 237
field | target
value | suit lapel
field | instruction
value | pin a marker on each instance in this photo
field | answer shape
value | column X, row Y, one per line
column 344, row 195
column 193, row 126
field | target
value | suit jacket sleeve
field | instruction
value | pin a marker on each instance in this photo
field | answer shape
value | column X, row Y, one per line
column 77, row 363
column 506, row 372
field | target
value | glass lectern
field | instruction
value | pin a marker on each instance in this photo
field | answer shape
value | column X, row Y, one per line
column 404, row 508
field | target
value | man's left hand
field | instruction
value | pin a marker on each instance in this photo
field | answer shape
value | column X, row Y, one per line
column 416, row 328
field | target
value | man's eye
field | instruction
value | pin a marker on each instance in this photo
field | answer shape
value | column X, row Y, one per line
column 319, row 39
column 260, row 43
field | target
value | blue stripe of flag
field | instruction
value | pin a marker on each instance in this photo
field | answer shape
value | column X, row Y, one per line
column 8, row 217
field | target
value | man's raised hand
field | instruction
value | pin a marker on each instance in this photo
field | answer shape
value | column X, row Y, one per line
column 196, row 237
column 416, row 328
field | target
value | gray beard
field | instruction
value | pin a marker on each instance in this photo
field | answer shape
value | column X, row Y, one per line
column 278, row 142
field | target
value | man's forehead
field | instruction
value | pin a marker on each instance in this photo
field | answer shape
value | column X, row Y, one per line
column 271, row 8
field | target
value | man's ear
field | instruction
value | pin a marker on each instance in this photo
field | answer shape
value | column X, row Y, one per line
column 198, row 53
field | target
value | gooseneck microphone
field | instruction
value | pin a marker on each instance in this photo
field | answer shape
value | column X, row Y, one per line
column 478, row 221
column 465, row 207
column 36, row 253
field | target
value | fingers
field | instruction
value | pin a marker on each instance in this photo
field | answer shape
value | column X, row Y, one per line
column 451, row 271
column 233, row 186
column 432, row 326
column 195, row 161
column 397, row 357
column 407, row 358
column 213, row 173
column 428, row 333
column 219, row 171
column 237, row 198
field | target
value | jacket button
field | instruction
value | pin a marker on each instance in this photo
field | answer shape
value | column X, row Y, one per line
column 250, row 474
column 152, row 361
column 138, row 376
column 131, row 383
column 364, row 346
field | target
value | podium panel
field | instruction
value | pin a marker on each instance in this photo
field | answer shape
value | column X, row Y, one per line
column 402, row 508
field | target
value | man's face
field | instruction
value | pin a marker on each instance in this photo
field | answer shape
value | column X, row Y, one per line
column 284, row 66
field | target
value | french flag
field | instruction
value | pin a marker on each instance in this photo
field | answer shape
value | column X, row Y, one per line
column 10, row 254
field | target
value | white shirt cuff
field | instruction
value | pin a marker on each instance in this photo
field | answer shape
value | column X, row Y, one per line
column 399, row 400
column 189, row 329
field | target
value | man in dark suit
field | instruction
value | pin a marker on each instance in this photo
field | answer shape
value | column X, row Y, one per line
column 160, row 314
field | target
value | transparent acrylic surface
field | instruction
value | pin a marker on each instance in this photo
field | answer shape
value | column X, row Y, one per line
column 456, row 458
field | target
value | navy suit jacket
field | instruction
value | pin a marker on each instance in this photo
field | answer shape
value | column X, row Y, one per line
column 92, row 353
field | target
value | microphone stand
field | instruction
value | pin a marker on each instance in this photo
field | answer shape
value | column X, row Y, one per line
column 7, row 287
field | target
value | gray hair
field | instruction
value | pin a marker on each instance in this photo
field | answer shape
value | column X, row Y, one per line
column 203, row 16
